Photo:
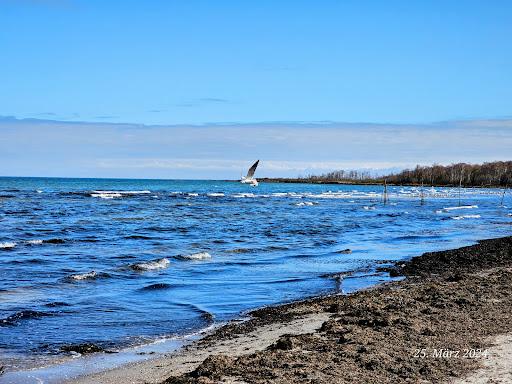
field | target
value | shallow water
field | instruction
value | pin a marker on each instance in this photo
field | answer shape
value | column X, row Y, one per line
column 125, row 262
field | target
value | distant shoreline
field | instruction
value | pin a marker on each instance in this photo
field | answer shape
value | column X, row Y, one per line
column 353, row 182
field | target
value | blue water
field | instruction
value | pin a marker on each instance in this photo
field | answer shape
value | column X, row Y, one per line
column 79, row 264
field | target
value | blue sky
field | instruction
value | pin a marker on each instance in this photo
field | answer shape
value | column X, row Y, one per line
column 180, row 63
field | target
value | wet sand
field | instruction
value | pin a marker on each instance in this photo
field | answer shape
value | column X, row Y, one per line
column 448, row 320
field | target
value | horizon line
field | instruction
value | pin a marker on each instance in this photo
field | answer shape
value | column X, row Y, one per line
column 399, row 169
column 16, row 119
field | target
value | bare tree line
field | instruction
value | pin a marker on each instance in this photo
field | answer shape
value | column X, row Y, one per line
column 497, row 173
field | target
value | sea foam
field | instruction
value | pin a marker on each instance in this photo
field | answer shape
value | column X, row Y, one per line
column 151, row 265
column 35, row 242
column 7, row 245
column 305, row 203
column 195, row 256
column 116, row 194
column 462, row 217
column 106, row 195
column 461, row 207
column 84, row 276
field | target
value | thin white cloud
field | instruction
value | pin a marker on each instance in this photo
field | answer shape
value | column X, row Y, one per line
column 49, row 148
column 215, row 164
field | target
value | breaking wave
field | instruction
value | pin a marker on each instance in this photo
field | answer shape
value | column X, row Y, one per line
column 35, row 242
column 215, row 194
column 462, row 217
column 305, row 203
column 117, row 194
column 195, row 256
column 151, row 265
column 84, row 276
column 448, row 209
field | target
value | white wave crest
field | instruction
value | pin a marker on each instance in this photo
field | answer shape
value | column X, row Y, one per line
column 242, row 195
column 466, row 217
column 215, row 194
column 84, row 276
column 305, row 203
column 35, row 242
column 368, row 208
column 144, row 192
column 152, row 265
column 447, row 209
column 117, row 194
column 195, row 256
column 106, row 195
column 7, row 245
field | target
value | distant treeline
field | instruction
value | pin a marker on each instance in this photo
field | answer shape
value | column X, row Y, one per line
column 497, row 173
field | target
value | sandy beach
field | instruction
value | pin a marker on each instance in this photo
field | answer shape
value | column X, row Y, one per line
column 448, row 321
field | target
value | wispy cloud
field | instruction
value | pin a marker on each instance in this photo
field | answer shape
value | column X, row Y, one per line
column 44, row 114
column 204, row 101
column 238, row 164
column 106, row 117
column 52, row 148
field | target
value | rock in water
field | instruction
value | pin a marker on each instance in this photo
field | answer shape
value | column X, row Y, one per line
column 82, row 348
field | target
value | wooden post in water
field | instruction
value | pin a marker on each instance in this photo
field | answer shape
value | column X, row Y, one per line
column 422, row 195
column 460, row 184
column 385, row 197
column 503, row 195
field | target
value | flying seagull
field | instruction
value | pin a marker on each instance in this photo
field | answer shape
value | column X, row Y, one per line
column 249, row 179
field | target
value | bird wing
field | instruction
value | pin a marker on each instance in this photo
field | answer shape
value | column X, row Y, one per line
column 250, row 174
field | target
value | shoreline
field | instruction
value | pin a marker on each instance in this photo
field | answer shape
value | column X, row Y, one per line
column 366, row 183
column 452, row 302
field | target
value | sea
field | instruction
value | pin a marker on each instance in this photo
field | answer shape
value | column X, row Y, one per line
column 121, row 263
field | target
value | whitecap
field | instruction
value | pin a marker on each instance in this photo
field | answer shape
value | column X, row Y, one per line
column 242, row 195
column 215, row 194
column 7, row 245
column 193, row 194
column 305, row 203
column 460, row 207
column 39, row 191
column 466, row 217
column 195, row 256
column 116, row 194
column 106, row 195
column 144, row 192
column 35, row 242
column 151, row 265
column 367, row 208
column 84, row 276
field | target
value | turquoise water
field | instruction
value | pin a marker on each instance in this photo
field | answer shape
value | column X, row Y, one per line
column 125, row 262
